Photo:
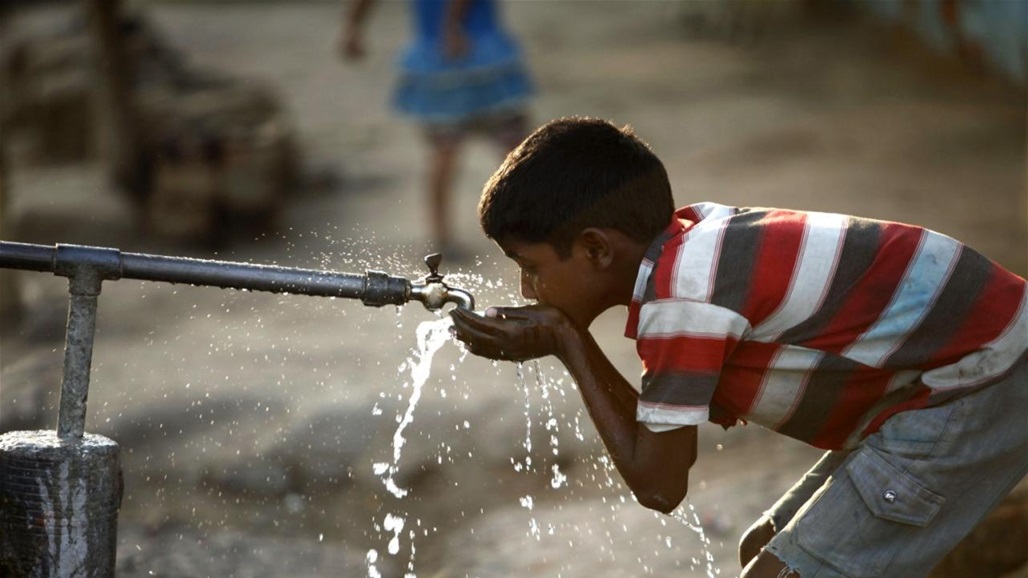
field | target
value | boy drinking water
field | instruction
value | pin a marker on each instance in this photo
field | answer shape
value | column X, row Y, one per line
column 898, row 350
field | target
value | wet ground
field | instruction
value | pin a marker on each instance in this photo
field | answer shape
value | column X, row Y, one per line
column 250, row 424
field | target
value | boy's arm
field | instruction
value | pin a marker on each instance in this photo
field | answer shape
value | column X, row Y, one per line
column 654, row 465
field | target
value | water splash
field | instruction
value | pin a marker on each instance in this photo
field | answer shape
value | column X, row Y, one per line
column 371, row 559
column 394, row 524
column 694, row 524
column 558, row 480
column 431, row 337
column 538, row 404
column 527, row 464
column 552, row 426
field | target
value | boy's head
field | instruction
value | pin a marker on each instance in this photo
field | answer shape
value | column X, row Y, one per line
column 575, row 173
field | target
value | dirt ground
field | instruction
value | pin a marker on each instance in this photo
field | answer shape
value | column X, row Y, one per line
column 250, row 423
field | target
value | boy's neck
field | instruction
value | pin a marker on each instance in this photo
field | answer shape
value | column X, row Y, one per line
column 630, row 254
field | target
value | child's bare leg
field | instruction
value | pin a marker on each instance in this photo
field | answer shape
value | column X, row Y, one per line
column 767, row 565
column 443, row 164
column 754, row 539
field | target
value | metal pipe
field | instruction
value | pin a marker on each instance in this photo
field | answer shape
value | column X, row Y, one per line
column 86, row 268
column 78, row 359
column 373, row 288
column 26, row 256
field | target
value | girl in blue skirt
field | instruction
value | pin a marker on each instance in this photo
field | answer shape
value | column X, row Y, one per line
column 461, row 73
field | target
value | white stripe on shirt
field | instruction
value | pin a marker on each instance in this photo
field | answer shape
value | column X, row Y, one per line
column 696, row 261
column 652, row 413
column 783, row 385
column 679, row 317
column 645, row 268
column 921, row 285
column 823, row 236
column 713, row 211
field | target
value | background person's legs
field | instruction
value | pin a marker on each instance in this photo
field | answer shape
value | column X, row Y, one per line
column 442, row 167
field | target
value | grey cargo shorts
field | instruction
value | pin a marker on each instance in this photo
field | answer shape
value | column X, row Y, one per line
column 898, row 503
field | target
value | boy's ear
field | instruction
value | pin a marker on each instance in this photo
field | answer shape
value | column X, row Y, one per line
column 598, row 246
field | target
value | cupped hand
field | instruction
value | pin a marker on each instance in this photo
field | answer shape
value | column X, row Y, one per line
column 513, row 333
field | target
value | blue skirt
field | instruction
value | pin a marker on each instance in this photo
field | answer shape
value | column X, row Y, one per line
column 491, row 79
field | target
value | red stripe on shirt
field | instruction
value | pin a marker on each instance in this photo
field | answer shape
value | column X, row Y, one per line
column 998, row 301
column 684, row 354
column 744, row 376
column 861, row 391
column 919, row 401
column 775, row 265
column 873, row 292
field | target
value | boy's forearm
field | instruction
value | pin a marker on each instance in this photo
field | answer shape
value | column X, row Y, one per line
column 655, row 466
column 608, row 397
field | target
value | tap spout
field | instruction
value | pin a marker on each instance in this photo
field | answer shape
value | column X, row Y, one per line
column 461, row 298
column 434, row 293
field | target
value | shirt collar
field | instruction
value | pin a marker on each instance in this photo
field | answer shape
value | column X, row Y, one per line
column 642, row 280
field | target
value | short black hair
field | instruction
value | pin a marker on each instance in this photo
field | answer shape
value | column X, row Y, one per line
column 573, row 173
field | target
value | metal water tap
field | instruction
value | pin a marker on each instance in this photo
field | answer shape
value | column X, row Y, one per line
column 433, row 293
column 83, row 511
column 87, row 267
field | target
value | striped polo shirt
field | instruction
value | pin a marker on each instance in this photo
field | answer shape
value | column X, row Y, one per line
column 816, row 325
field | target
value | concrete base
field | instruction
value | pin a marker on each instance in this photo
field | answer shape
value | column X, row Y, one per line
column 60, row 500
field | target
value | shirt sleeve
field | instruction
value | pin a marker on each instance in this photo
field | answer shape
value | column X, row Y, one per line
column 683, row 345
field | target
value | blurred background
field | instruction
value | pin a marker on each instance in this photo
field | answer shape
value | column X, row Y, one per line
column 250, row 424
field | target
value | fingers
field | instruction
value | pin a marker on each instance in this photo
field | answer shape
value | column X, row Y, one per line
column 468, row 329
column 467, row 319
column 478, row 339
column 499, row 312
column 509, row 314
column 492, row 337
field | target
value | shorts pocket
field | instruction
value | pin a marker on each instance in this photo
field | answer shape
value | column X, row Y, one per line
column 865, row 515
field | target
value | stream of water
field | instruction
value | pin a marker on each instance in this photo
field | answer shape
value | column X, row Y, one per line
column 431, row 336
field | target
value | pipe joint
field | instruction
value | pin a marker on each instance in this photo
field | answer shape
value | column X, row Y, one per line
column 87, row 267
column 381, row 289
